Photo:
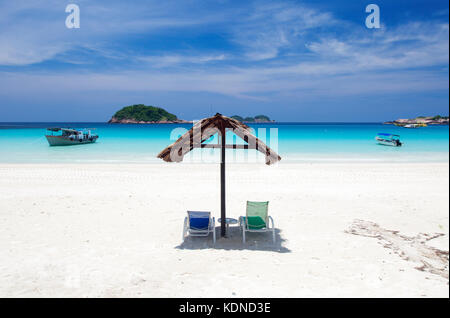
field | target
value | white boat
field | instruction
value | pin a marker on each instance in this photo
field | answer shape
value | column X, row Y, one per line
column 415, row 125
column 69, row 137
column 388, row 139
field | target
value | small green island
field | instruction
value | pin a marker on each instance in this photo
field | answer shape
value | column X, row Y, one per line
column 256, row 119
column 142, row 114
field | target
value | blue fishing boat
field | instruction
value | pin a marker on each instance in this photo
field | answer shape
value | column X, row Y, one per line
column 69, row 136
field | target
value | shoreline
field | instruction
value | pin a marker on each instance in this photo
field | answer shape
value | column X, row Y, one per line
column 244, row 164
column 433, row 158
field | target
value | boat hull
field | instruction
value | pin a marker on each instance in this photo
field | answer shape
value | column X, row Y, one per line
column 65, row 141
column 385, row 142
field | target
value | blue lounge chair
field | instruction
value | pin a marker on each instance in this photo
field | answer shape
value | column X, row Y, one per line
column 199, row 223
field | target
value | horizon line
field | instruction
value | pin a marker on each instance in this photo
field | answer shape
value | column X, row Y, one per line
column 118, row 124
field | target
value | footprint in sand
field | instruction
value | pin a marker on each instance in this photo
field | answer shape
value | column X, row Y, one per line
column 410, row 248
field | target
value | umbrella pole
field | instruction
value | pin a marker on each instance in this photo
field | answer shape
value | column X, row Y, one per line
column 222, row 187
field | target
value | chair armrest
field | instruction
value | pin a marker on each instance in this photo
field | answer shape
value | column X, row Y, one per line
column 273, row 224
column 186, row 223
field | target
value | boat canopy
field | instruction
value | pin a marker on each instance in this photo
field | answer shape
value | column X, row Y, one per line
column 63, row 129
column 389, row 135
column 69, row 130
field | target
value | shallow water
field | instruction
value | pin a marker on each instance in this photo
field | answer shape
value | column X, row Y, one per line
column 295, row 142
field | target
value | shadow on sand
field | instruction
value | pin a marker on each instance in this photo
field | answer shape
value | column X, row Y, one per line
column 233, row 241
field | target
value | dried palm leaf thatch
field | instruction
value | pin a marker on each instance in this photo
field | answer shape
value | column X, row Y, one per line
column 205, row 129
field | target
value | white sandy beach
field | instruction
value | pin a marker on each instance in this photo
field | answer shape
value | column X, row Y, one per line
column 115, row 231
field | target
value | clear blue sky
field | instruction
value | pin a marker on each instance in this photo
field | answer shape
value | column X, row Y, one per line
column 291, row 60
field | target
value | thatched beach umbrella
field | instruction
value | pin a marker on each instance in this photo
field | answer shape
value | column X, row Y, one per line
column 205, row 129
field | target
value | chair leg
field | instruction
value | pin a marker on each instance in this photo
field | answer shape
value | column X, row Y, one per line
column 184, row 229
column 243, row 235
column 213, row 228
column 240, row 224
column 273, row 229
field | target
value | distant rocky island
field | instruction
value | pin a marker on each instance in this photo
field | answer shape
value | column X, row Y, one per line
column 423, row 120
column 141, row 114
column 256, row 119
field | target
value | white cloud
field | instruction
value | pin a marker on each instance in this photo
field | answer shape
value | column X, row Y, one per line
column 172, row 60
column 12, row 53
column 407, row 46
column 269, row 28
column 34, row 31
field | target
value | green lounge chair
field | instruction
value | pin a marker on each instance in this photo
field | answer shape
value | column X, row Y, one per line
column 257, row 219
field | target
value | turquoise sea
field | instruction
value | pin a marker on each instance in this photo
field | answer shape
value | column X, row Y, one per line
column 295, row 142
